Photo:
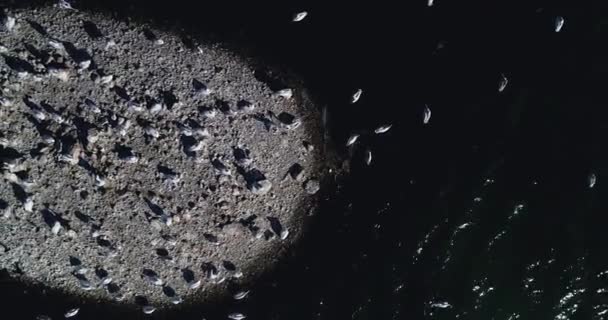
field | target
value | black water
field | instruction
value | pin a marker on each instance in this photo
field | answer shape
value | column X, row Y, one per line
column 497, row 183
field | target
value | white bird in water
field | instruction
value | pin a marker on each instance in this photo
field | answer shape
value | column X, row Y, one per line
column 503, row 83
column 559, row 23
column 441, row 305
column 240, row 295
column 368, row 157
column 148, row 309
column 325, row 122
column 236, row 316
column 299, row 16
column 383, row 129
column 592, row 179
column 430, row 3
column 176, row 300
column 352, row 139
column 72, row 312
column 356, row 96
column 427, row 114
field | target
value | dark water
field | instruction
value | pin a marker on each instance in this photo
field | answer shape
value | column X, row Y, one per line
column 484, row 213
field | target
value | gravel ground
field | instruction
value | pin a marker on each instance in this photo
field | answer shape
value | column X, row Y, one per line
column 136, row 164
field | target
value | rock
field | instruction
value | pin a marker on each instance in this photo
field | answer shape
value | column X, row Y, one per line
column 312, row 186
column 126, row 113
column 233, row 230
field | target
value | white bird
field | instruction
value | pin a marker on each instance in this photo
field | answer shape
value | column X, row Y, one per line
column 592, row 179
column 441, row 305
column 284, row 234
column 148, row 309
column 430, row 3
column 156, row 108
column 92, row 106
column 194, row 284
column 427, row 114
column 110, row 44
column 151, row 131
column 155, row 280
column 503, row 83
column 5, row 102
column 383, row 129
column 56, row 45
column 85, row 285
column 559, row 23
column 352, row 139
column 56, row 227
column 237, row 316
column 63, row 4
column 29, row 204
column 240, row 295
column 356, row 96
column 99, row 181
column 285, row 93
column 38, row 114
column 299, row 16
column 134, row 107
column 9, row 23
column 368, row 157
column 72, row 312
column 106, row 79
column 83, row 65
column 209, row 113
